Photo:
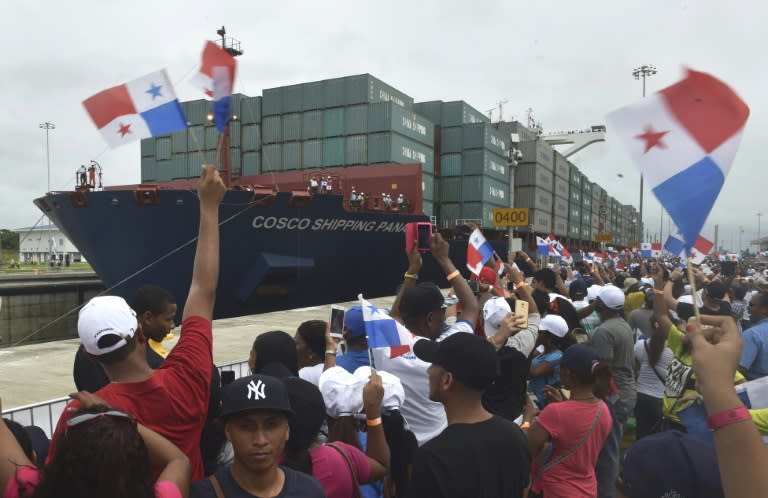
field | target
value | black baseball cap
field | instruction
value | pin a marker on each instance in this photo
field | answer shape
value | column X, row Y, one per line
column 470, row 358
column 254, row 392
column 716, row 290
column 421, row 299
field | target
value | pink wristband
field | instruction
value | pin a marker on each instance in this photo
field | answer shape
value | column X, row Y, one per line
column 728, row 417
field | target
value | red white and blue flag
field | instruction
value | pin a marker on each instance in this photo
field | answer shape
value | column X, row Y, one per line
column 216, row 79
column 479, row 251
column 142, row 108
column 684, row 139
column 382, row 330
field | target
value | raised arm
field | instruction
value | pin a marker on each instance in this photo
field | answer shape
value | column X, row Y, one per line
column 205, row 272
column 470, row 307
column 377, row 451
column 660, row 310
column 409, row 279
column 669, row 299
column 12, row 457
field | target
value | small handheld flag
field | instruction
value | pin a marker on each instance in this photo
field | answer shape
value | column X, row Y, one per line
column 216, row 79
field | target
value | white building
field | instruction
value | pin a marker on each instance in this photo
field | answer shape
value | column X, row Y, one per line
column 38, row 243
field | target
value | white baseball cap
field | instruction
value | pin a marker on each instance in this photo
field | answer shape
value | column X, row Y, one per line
column 554, row 324
column 394, row 394
column 593, row 292
column 494, row 311
column 105, row 324
column 342, row 392
column 612, row 297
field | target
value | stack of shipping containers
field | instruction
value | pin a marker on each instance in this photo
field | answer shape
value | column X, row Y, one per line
column 586, row 210
column 575, row 205
column 472, row 163
column 534, row 182
column 562, row 192
column 599, row 209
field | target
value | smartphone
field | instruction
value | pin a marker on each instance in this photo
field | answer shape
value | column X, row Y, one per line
column 521, row 309
column 337, row 320
column 474, row 285
column 418, row 233
column 227, row 377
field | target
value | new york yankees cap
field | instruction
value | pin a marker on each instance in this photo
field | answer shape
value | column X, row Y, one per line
column 254, row 392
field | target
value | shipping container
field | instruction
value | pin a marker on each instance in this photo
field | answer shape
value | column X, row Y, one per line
column 356, row 150
column 533, row 175
column 272, row 102
column 250, row 110
column 394, row 148
column 293, row 99
column 386, row 116
column 541, row 221
column 433, row 110
column 523, row 134
column 212, row 136
column 562, row 188
column 450, row 140
column 586, row 203
column 483, row 136
column 450, row 165
column 428, row 208
column 562, row 167
column 179, row 142
column 251, row 140
column 586, row 217
column 576, row 177
column 428, row 186
column 312, row 125
column 164, row 171
column 271, row 130
column 574, row 213
column 534, row 198
column 312, row 154
column 575, row 196
column 333, row 122
column 483, row 162
column 333, row 151
column 197, row 111
column 235, row 133
column 364, row 88
column 356, row 119
column 538, row 152
column 271, row 158
column 586, row 187
column 314, row 96
column 484, row 189
column 586, row 233
column 235, row 161
column 458, row 113
column 450, row 213
column 163, row 148
column 179, row 166
column 291, row 156
column 291, row 131
column 560, row 207
column 251, row 163
column 148, row 147
column 148, row 169
column 560, row 226
column 478, row 211
column 450, row 189
column 195, row 138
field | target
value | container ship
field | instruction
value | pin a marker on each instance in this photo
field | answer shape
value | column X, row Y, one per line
column 286, row 245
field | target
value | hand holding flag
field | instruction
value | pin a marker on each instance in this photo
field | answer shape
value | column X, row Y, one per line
column 479, row 251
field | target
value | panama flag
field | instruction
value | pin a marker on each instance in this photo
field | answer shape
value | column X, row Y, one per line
column 142, row 108
column 382, row 330
column 645, row 250
column 701, row 248
column 542, row 246
column 217, row 78
column 479, row 251
column 684, row 139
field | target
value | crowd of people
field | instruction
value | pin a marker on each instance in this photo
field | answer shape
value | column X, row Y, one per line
column 488, row 401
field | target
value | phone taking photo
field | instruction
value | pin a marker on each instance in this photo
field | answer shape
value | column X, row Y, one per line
column 419, row 233
column 521, row 309
column 337, row 321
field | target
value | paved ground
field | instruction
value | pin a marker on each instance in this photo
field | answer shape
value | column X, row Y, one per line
column 40, row 372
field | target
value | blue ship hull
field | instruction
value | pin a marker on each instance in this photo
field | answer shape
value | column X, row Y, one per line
column 272, row 257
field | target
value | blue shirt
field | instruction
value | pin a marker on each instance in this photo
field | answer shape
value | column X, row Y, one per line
column 536, row 384
column 754, row 353
column 352, row 360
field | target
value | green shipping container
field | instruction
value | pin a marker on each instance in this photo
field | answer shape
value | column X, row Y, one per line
column 364, row 88
column 235, row 160
column 251, row 140
column 450, row 140
column 484, row 189
column 195, row 138
column 196, row 111
column 482, row 162
column 386, row 116
column 291, row 127
column 272, row 102
column 271, row 130
column 483, row 136
column 574, row 230
column 333, row 151
column 312, row 154
column 250, row 110
column 164, row 171
column 450, row 189
column 428, row 208
column 356, row 119
column 271, row 158
column 235, row 133
column 314, row 96
column 179, row 142
column 333, row 122
column 459, row 112
column 251, row 163
column 428, row 187
column 478, row 211
column 312, row 125
column 179, row 166
column 450, row 165
column 333, row 91
column 148, row 147
column 394, row 148
column 356, row 150
column 449, row 213
column 148, row 169
column 432, row 110
column 163, row 148
column 211, row 137
column 293, row 98
column 291, row 156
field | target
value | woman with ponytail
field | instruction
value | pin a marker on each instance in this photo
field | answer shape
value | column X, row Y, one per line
column 567, row 436
column 652, row 359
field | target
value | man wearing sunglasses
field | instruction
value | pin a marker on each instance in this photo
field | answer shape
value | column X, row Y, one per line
column 173, row 399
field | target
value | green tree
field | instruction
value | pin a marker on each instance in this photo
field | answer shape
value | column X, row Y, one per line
column 9, row 240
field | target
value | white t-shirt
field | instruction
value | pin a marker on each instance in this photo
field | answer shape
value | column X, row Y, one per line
column 647, row 382
column 425, row 418
column 312, row 374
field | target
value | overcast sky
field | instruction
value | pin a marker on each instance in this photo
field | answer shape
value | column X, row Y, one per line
column 569, row 61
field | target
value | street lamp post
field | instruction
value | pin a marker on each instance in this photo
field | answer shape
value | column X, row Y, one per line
column 759, row 215
column 643, row 72
column 741, row 232
column 48, row 126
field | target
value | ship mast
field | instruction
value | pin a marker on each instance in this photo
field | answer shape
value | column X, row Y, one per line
column 232, row 47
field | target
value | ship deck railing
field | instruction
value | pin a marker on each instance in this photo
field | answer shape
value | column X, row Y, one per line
column 45, row 414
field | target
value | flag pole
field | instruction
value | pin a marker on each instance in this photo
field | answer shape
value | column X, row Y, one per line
column 692, row 283
column 370, row 357
column 199, row 150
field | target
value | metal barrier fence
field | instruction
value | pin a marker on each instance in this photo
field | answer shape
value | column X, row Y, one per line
column 46, row 414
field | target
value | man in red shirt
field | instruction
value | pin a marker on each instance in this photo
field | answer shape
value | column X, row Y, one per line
column 173, row 399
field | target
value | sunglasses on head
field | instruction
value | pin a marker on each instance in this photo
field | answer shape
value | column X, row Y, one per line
column 89, row 417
